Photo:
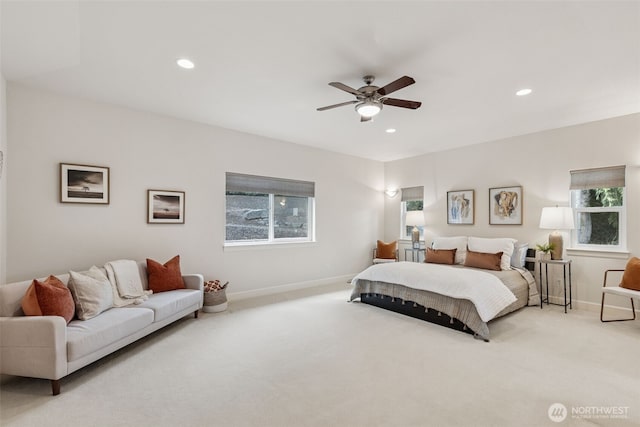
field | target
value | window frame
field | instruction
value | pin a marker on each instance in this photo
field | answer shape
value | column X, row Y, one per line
column 622, row 224
column 269, row 183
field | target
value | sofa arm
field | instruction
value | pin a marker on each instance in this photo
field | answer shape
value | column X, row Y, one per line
column 33, row 346
column 194, row 281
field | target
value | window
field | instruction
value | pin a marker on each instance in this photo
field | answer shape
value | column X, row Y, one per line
column 412, row 200
column 598, row 201
column 263, row 210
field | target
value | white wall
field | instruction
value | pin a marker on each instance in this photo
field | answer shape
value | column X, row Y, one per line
column 147, row 151
column 3, row 181
column 540, row 163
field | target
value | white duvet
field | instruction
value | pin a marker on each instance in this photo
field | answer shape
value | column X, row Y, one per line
column 484, row 290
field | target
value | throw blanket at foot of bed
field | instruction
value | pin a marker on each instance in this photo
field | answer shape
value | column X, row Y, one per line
column 479, row 296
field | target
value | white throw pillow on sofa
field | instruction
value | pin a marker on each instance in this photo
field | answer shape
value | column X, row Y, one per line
column 91, row 292
column 492, row 246
column 457, row 242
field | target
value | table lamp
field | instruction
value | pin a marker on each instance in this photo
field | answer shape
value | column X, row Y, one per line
column 556, row 218
column 415, row 218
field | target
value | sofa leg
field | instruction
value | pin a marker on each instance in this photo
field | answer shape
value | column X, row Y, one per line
column 195, row 314
column 55, row 387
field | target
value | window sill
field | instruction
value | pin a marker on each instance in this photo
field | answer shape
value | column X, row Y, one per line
column 248, row 246
column 598, row 253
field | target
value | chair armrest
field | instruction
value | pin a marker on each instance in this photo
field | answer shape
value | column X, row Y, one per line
column 606, row 272
column 193, row 281
column 33, row 346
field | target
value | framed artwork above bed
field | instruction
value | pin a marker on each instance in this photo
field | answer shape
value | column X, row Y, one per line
column 505, row 205
column 461, row 207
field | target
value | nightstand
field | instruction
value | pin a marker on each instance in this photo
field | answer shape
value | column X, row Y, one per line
column 415, row 254
column 566, row 280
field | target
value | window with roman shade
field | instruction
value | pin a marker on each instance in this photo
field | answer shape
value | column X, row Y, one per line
column 411, row 200
column 598, row 199
column 265, row 209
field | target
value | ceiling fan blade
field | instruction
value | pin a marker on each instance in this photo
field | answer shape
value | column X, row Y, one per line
column 345, row 88
column 401, row 103
column 328, row 107
column 396, row 85
column 365, row 119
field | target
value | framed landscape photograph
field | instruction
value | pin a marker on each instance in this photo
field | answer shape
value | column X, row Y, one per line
column 84, row 184
column 165, row 207
column 505, row 206
column 460, row 207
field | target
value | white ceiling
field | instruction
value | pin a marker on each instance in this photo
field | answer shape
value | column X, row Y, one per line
column 263, row 67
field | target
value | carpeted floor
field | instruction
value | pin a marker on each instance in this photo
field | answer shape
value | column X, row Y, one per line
column 309, row 358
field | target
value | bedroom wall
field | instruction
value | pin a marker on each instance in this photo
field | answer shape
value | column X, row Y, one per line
column 3, row 180
column 147, row 151
column 540, row 163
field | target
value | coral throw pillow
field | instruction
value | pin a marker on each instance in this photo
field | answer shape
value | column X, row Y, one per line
column 631, row 276
column 483, row 260
column 386, row 250
column 49, row 298
column 440, row 256
column 165, row 277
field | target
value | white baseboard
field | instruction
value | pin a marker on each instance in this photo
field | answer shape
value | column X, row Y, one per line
column 595, row 307
column 236, row 296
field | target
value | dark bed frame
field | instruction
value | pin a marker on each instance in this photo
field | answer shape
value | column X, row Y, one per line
column 417, row 311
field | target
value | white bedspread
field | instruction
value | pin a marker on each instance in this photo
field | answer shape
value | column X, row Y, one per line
column 485, row 291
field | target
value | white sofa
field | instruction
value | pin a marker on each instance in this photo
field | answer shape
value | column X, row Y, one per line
column 46, row 347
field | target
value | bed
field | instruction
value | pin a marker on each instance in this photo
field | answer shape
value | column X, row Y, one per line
column 456, row 296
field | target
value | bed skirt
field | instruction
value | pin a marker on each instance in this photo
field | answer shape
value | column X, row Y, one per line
column 458, row 310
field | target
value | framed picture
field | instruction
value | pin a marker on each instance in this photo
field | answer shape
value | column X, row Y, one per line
column 460, row 207
column 165, row 207
column 84, row 184
column 505, row 206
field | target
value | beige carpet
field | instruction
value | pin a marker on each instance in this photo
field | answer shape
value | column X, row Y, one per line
column 309, row 358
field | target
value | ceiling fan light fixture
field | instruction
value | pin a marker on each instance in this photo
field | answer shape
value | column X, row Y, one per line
column 368, row 108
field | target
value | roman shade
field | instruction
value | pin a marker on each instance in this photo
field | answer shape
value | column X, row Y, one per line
column 240, row 183
column 412, row 193
column 608, row 177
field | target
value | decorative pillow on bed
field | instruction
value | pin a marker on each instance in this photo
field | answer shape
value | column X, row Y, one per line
column 519, row 254
column 165, row 277
column 48, row 298
column 459, row 243
column 491, row 246
column 386, row 250
column 440, row 256
column 631, row 276
column 483, row 260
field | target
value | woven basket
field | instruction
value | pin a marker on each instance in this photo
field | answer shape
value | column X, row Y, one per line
column 215, row 298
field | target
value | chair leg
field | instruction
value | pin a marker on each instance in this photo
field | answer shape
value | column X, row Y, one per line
column 633, row 311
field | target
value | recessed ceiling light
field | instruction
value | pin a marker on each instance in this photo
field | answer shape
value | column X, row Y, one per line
column 185, row 63
column 523, row 92
column 390, row 130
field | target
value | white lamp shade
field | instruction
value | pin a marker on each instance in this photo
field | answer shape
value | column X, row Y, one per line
column 415, row 218
column 557, row 218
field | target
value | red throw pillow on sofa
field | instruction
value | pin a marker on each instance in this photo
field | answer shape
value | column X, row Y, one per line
column 49, row 298
column 165, row 277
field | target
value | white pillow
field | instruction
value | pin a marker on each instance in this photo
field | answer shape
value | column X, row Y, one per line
column 519, row 254
column 492, row 246
column 458, row 242
column 91, row 292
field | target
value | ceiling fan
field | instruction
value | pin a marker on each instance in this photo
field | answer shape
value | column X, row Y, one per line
column 370, row 99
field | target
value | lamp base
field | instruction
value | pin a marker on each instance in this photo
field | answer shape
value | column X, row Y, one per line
column 556, row 240
column 415, row 238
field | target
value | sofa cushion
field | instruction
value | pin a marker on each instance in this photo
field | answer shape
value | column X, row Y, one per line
column 49, row 298
column 165, row 277
column 165, row 304
column 86, row 336
column 91, row 292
